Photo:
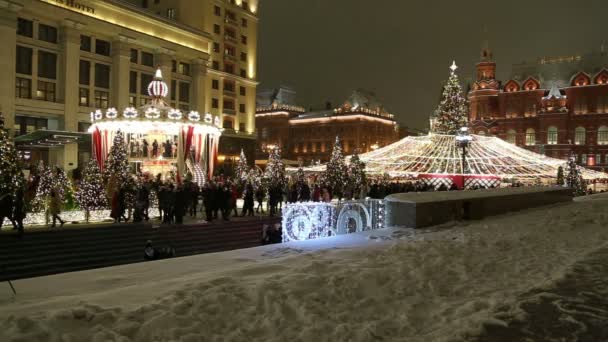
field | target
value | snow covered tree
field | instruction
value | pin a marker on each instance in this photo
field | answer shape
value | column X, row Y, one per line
column 117, row 164
column 242, row 169
column 452, row 112
column 89, row 194
column 275, row 169
column 336, row 172
column 356, row 171
column 560, row 176
column 11, row 177
column 574, row 179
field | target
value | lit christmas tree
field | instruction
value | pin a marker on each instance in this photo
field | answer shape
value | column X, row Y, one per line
column 11, row 177
column 117, row 164
column 574, row 179
column 275, row 170
column 451, row 114
column 242, row 169
column 43, row 190
column 89, row 194
column 336, row 173
column 560, row 176
column 358, row 178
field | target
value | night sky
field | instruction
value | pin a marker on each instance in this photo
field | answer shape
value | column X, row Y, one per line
column 402, row 49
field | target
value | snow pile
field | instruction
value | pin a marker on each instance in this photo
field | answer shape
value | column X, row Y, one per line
column 438, row 284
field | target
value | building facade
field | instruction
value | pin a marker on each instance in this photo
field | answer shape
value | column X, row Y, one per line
column 555, row 106
column 64, row 59
column 308, row 136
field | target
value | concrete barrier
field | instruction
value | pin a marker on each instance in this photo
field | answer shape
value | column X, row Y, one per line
column 424, row 209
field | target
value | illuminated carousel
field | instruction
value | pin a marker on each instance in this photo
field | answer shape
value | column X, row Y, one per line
column 160, row 139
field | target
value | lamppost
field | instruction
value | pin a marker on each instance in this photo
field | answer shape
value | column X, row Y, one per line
column 463, row 139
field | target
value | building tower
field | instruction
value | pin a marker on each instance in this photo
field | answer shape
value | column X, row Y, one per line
column 483, row 98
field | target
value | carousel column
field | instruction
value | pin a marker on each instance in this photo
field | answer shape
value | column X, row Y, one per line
column 8, row 35
column 69, row 80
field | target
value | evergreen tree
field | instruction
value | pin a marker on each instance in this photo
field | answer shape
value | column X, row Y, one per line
column 451, row 113
column 275, row 169
column 560, row 176
column 11, row 177
column 242, row 169
column 336, row 172
column 44, row 187
column 89, row 194
column 575, row 179
column 117, row 164
column 358, row 178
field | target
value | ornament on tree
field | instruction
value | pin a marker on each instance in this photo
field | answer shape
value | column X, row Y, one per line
column 91, row 186
column 275, row 169
column 336, row 172
column 451, row 113
column 117, row 163
column 242, row 169
column 575, row 179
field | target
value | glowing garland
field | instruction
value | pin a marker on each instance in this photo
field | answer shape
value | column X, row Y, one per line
column 174, row 114
column 98, row 114
column 130, row 113
column 194, row 116
column 111, row 113
column 152, row 113
column 208, row 118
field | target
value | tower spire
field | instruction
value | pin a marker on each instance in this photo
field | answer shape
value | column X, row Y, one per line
column 486, row 53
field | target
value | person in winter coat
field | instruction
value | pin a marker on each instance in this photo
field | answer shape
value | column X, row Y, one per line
column 248, row 202
column 316, row 194
column 19, row 209
column 55, row 208
column 259, row 196
column 234, row 195
column 179, row 207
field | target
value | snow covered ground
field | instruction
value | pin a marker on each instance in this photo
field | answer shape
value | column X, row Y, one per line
column 438, row 284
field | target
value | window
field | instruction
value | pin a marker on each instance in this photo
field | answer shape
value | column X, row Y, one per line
column 102, row 47
column 23, row 88
column 579, row 136
column 25, row 27
column 230, row 15
column 24, row 124
column 215, row 65
column 242, row 126
column 552, row 135
column 242, row 91
column 598, row 159
column 83, row 97
column 245, row 5
column 215, row 84
column 173, row 89
column 102, row 75
column 244, row 22
column 84, row 72
column 244, row 56
column 229, row 68
column 216, row 47
column 242, row 108
column 184, row 69
column 85, row 43
column 144, row 81
column 243, row 73
column 101, row 99
column 174, row 66
column 184, row 92
column 215, row 103
column 583, row 159
column 229, row 50
column 171, row 13
column 530, row 137
column 134, row 56
column 216, row 29
column 602, row 135
column 217, row 10
column 47, row 64
column 147, row 59
column 24, row 60
column 46, row 91
column 227, row 124
column 228, row 105
column 228, row 86
column 244, row 39
column 511, row 136
column 230, row 33
column 133, row 82
column 47, row 33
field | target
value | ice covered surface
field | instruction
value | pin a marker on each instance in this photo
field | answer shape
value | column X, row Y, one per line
column 392, row 284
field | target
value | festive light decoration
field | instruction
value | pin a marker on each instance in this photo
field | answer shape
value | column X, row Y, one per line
column 216, row 121
column 356, row 173
column 560, row 176
column 111, row 113
column 174, row 114
column 130, row 113
column 39, row 218
column 90, row 192
column 152, row 113
column 274, row 174
column 158, row 88
column 117, row 164
column 451, row 114
column 51, row 180
column 194, row 116
column 242, row 169
column 11, row 178
column 574, row 179
column 336, row 172
column 208, row 118
column 98, row 114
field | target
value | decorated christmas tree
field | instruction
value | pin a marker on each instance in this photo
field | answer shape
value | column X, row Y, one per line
column 574, row 179
column 451, row 113
column 11, row 177
column 117, row 164
column 91, row 187
column 44, row 187
column 242, row 169
column 358, row 178
column 275, row 170
column 560, row 176
column 336, row 173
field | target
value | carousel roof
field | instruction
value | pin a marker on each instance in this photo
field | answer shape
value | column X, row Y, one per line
column 439, row 154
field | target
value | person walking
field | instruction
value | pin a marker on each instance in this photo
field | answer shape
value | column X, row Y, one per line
column 248, row 202
column 234, row 195
column 259, row 196
column 19, row 209
column 181, row 201
column 208, row 199
column 55, row 208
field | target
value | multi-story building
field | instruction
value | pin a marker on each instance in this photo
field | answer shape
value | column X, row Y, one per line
column 556, row 106
column 63, row 59
column 308, row 136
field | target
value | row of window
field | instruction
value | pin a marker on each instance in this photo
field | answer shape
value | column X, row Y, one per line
column 229, row 50
column 580, row 136
column 228, row 86
column 231, row 16
column 45, row 32
column 228, row 106
column 229, row 68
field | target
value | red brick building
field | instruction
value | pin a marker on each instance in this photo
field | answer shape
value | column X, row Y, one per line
column 554, row 106
column 308, row 136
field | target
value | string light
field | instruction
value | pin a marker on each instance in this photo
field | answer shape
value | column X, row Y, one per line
column 174, row 114
column 111, row 113
column 152, row 113
column 194, row 116
column 130, row 113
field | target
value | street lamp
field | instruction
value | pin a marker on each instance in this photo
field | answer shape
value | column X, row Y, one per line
column 463, row 139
